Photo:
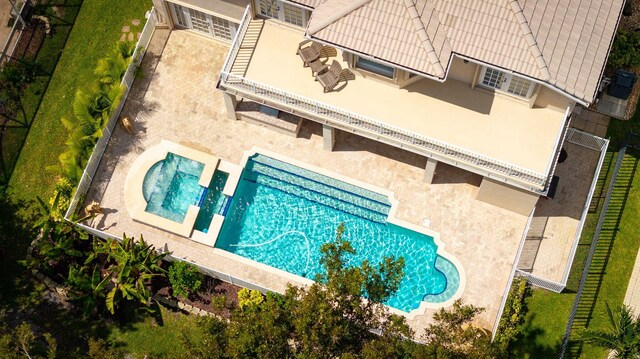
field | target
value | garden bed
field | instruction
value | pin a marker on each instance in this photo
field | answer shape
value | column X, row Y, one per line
column 208, row 298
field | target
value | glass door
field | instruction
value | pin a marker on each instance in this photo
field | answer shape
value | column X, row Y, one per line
column 203, row 23
column 285, row 12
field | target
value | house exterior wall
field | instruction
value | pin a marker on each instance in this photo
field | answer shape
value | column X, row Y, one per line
column 507, row 197
column 461, row 71
column 547, row 97
column 231, row 10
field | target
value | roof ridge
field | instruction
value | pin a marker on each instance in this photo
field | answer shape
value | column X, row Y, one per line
column 354, row 5
column 424, row 37
column 531, row 41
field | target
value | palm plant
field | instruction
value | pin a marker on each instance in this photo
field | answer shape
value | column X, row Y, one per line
column 623, row 338
column 86, row 288
column 130, row 265
column 61, row 240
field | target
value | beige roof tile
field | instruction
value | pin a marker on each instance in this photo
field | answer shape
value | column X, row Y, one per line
column 562, row 42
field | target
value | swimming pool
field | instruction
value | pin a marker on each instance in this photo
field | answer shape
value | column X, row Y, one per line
column 172, row 185
column 281, row 214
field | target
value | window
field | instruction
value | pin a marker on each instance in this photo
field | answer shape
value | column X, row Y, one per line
column 505, row 82
column 293, row 14
column 269, row 8
column 285, row 12
column 179, row 11
column 375, row 67
column 221, row 28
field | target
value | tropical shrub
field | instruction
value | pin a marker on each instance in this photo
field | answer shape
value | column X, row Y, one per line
column 22, row 342
column 129, row 266
column 184, row 278
column 625, row 51
column 249, row 298
column 91, row 111
column 623, row 336
column 14, row 77
column 61, row 243
column 61, row 198
column 515, row 310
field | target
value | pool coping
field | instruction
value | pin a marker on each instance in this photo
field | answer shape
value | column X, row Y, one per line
column 134, row 185
column 391, row 218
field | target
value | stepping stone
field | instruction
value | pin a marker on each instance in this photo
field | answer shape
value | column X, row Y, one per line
column 130, row 37
column 126, row 28
column 123, row 38
column 138, row 35
column 135, row 22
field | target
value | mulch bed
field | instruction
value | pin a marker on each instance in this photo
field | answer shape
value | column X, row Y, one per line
column 211, row 289
column 30, row 42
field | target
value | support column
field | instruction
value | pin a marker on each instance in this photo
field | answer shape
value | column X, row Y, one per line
column 329, row 137
column 162, row 13
column 230, row 102
column 430, row 170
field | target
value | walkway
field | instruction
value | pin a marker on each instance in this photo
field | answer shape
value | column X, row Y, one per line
column 632, row 297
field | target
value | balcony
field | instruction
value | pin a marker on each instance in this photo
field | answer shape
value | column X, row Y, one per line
column 492, row 135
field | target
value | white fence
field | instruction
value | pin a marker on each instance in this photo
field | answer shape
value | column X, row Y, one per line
column 512, row 275
column 595, row 143
column 101, row 145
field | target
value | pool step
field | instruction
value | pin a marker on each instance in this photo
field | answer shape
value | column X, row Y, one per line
column 321, row 188
column 311, row 195
column 354, row 191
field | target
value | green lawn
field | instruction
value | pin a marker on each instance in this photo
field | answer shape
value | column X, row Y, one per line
column 619, row 243
column 147, row 338
column 624, row 247
column 96, row 30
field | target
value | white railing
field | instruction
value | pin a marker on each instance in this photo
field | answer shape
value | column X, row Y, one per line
column 582, row 139
column 18, row 25
column 127, row 81
column 512, row 274
column 562, row 136
column 541, row 282
column 237, row 40
column 586, row 140
column 445, row 152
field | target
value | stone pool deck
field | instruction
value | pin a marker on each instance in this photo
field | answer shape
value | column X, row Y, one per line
column 177, row 100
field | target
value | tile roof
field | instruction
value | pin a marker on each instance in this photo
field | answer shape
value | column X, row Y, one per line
column 562, row 42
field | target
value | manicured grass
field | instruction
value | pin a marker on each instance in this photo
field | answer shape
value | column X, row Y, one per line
column 148, row 338
column 95, row 32
column 548, row 315
column 624, row 249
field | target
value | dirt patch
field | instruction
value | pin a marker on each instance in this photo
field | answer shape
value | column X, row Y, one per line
column 632, row 22
column 31, row 40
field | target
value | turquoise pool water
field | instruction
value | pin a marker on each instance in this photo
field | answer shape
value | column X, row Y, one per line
column 212, row 202
column 281, row 214
column 171, row 186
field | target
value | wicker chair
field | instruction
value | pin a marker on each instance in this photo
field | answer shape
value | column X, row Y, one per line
column 309, row 53
column 329, row 80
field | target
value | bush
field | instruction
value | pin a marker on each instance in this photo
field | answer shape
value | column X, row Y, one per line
column 625, row 51
column 515, row 310
column 61, row 198
column 249, row 298
column 185, row 278
column 91, row 111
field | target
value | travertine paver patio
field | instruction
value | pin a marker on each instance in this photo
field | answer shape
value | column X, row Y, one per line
column 548, row 253
column 178, row 101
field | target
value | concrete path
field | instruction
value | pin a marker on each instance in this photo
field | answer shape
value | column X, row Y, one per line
column 632, row 297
